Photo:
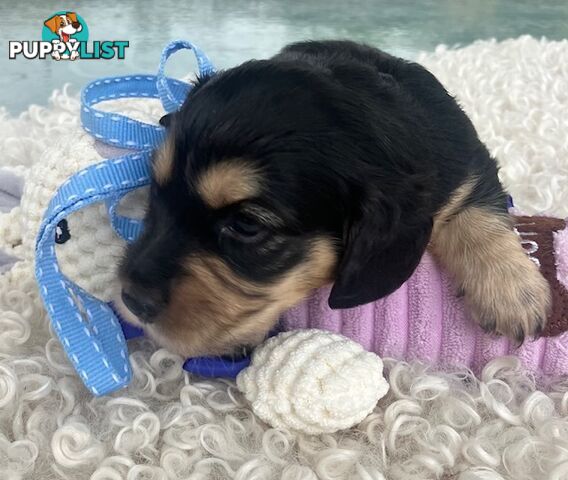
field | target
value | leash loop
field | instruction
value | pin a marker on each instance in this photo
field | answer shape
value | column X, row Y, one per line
column 88, row 328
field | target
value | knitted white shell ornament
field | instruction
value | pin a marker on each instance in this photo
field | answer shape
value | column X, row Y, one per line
column 313, row 381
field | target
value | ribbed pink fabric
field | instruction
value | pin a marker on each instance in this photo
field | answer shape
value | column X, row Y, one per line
column 561, row 256
column 425, row 320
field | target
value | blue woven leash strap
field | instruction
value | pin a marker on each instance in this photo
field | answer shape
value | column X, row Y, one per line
column 121, row 131
column 87, row 327
column 89, row 332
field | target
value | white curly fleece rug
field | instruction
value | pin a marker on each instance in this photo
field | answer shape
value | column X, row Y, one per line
column 431, row 425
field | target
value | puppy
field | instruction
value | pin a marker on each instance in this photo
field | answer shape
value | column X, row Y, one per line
column 330, row 162
column 64, row 26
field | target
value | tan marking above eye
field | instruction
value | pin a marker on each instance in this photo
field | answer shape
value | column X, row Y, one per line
column 163, row 162
column 227, row 182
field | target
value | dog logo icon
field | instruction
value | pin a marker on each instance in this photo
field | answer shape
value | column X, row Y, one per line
column 65, row 28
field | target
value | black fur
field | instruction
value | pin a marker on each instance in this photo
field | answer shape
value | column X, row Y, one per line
column 354, row 144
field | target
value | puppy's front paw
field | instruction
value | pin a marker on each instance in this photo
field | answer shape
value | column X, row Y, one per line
column 512, row 299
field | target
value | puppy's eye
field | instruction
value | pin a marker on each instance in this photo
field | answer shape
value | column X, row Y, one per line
column 244, row 228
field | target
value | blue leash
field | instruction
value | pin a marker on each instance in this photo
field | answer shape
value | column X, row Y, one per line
column 88, row 328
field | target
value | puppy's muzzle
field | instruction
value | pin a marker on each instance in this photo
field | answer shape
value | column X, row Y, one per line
column 143, row 306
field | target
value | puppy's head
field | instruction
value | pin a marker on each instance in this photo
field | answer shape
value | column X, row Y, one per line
column 266, row 188
column 67, row 23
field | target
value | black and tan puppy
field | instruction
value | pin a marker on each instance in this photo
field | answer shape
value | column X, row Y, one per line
column 330, row 162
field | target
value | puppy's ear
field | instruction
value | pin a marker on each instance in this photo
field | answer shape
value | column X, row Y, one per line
column 52, row 23
column 166, row 120
column 382, row 247
column 72, row 16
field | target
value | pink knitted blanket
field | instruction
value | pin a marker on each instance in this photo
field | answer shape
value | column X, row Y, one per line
column 425, row 320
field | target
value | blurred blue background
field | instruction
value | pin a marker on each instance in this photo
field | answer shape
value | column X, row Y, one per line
column 232, row 31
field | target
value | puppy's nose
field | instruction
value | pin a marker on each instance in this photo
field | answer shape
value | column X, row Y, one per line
column 76, row 25
column 144, row 308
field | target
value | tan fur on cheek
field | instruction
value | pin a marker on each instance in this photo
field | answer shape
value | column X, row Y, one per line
column 213, row 310
column 228, row 181
column 204, row 306
column 315, row 272
column 163, row 162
